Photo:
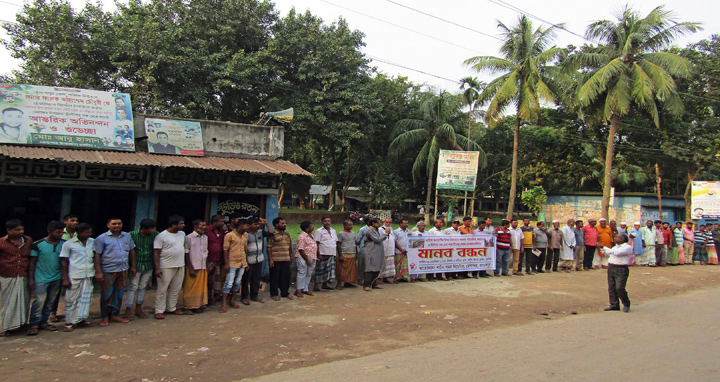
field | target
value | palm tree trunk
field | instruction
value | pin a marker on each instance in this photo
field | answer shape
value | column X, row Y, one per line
column 513, row 181
column 607, row 186
column 428, row 195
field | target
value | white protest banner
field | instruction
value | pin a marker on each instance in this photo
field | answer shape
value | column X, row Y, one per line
column 457, row 170
column 451, row 253
column 705, row 200
column 57, row 116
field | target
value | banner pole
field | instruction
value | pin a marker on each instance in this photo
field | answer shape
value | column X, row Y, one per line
column 465, row 206
column 436, row 210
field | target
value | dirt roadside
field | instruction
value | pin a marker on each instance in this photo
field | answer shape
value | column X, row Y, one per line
column 277, row 336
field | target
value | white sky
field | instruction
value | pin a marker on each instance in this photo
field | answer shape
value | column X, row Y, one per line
column 387, row 40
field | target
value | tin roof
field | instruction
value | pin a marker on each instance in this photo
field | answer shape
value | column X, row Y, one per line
column 121, row 158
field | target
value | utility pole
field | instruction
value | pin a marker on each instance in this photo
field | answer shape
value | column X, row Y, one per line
column 658, row 180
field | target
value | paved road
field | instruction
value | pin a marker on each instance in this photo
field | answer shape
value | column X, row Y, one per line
column 669, row 339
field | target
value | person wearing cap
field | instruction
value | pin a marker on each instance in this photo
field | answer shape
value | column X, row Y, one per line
column 454, row 229
column 568, row 245
column 605, row 238
column 623, row 228
column 591, row 233
column 637, row 243
column 618, row 272
column 555, row 238
column 649, row 238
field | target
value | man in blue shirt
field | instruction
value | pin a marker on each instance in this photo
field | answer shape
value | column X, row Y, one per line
column 45, row 270
column 115, row 251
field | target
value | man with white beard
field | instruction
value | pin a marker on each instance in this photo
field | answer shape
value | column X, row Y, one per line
column 388, row 272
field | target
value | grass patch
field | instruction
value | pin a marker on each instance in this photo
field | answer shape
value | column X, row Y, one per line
column 294, row 228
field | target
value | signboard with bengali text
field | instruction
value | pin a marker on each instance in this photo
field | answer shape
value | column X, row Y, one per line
column 67, row 117
column 174, row 137
column 450, row 253
column 705, row 200
column 457, row 170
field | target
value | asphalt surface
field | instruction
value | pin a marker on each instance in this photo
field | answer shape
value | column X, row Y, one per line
column 668, row 339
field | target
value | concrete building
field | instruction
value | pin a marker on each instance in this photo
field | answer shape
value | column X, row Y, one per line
column 240, row 172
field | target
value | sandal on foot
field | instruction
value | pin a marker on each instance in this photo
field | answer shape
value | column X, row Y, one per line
column 222, row 310
column 49, row 328
column 159, row 316
column 68, row 328
column 32, row 331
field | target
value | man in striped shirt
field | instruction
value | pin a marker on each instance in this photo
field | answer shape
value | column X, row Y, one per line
column 502, row 255
column 143, row 239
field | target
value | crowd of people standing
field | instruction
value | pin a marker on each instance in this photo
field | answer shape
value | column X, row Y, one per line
column 217, row 261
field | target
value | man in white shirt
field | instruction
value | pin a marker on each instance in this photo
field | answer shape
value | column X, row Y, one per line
column 326, row 239
column 400, row 236
column 516, row 237
column 618, row 272
column 169, row 256
column 420, row 232
column 436, row 230
column 388, row 273
column 567, row 251
column 454, row 228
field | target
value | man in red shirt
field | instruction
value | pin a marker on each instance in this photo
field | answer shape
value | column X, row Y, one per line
column 668, row 238
column 216, row 236
column 15, row 286
column 590, row 234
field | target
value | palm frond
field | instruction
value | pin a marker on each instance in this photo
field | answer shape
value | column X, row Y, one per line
column 676, row 65
column 600, row 81
column 490, row 64
column 445, row 134
column 420, row 162
column 407, row 141
column 642, row 89
column 433, row 154
column 662, row 80
column 618, row 98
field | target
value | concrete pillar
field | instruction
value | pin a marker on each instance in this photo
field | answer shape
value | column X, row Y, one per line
column 66, row 204
column 271, row 212
column 145, row 207
column 213, row 204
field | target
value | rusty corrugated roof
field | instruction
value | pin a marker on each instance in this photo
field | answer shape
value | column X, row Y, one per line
column 256, row 166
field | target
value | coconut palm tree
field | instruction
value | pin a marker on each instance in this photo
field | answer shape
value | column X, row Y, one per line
column 529, row 78
column 472, row 89
column 436, row 128
column 629, row 68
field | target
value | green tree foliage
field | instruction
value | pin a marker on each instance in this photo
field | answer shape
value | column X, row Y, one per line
column 629, row 69
column 61, row 46
column 435, row 128
column 321, row 72
column 534, row 198
column 692, row 140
